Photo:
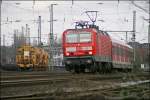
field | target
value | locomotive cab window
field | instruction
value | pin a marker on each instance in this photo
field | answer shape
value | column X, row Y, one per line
column 85, row 37
column 78, row 37
column 71, row 38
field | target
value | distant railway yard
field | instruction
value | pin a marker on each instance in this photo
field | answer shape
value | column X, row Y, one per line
column 62, row 86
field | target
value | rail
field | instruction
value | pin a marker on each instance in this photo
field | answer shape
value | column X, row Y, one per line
column 104, row 91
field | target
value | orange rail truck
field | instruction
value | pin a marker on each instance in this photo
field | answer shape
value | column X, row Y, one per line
column 31, row 58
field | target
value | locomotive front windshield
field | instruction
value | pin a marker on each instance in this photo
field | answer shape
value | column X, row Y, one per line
column 78, row 37
column 72, row 38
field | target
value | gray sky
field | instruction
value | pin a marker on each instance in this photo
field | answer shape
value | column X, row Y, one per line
column 116, row 16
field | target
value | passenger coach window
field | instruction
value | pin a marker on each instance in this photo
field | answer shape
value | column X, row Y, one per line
column 85, row 37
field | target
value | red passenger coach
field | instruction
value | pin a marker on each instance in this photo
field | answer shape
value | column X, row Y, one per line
column 90, row 49
column 122, row 55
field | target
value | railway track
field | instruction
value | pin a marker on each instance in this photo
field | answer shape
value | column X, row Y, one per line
column 49, row 85
column 18, row 83
column 30, row 78
column 14, row 73
column 105, row 92
column 37, row 73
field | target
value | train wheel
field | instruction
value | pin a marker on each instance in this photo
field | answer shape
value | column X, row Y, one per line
column 67, row 68
column 129, row 70
column 109, row 67
column 103, row 68
column 82, row 69
column 77, row 69
column 93, row 67
column 106, row 67
column 100, row 70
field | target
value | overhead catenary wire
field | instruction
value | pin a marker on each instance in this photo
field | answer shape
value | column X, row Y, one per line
column 138, row 6
column 14, row 5
column 77, row 4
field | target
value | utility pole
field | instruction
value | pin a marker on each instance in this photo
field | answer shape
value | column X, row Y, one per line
column 15, row 44
column 149, row 41
column 134, row 26
column 133, row 35
column 126, row 37
column 149, row 31
column 4, row 50
column 29, row 35
column 26, row 36
column 39, row 31
column 3, row 39
column 51, row 46
column 22, row 31
column 0, row 36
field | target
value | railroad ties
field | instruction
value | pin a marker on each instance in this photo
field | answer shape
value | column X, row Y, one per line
column 46, row 85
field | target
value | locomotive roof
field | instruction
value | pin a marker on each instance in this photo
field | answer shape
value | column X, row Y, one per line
column 112, row 39
column 119, row 42
column 115, row 40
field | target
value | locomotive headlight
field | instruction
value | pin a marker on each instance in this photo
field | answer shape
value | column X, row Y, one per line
column 90, row 52
column 67, row 53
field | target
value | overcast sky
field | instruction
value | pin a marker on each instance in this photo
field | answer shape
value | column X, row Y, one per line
column 117, row 16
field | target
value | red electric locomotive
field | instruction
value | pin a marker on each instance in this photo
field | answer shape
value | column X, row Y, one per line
column 90, row 49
